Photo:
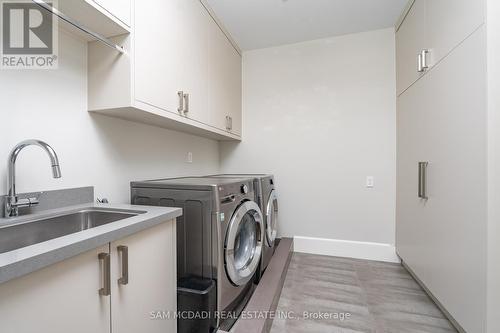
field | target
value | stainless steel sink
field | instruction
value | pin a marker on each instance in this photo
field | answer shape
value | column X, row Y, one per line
column 20, row 235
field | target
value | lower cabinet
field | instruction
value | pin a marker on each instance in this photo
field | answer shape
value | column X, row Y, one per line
column 71, row 296
column 60, row 298
column 152, row 281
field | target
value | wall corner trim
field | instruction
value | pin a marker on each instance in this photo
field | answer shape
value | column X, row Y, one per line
column 346, row 248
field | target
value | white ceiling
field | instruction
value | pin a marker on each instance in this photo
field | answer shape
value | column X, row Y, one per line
column 263, row 23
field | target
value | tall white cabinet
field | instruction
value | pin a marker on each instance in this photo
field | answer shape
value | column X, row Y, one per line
column 180, row 71
column 442, row 120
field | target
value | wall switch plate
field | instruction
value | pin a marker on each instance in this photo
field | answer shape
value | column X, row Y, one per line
column 370, row 182
column 189, row 157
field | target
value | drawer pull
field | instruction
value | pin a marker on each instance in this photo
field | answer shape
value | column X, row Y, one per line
column 105, row 260
column 123, row 250
column 181, row 101
column 186, row 103
column 425, row 64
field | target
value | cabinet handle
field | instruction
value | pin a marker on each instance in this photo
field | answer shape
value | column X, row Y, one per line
column 229, row 123
column 420, row 67
column 425, row 65
column 181, row 101
column 104, row 259
column 186, row 103
column 123, row 250
column 422, row 180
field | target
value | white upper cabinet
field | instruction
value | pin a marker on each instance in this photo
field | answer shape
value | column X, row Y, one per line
column 224, row 90
column 429, row 32
column 196, row 23
column 450, row 22
column 179, row 72
column 159, row 61
column 175, row 60
column 410, row 41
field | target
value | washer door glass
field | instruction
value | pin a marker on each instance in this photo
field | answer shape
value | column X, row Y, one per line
column 244, row 243
column 272, row 218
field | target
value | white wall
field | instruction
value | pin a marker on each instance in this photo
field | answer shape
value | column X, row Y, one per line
column 493, row 291
column 93, row 149
column 320, row 115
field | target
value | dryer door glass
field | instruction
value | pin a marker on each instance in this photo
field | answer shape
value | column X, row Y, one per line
column 244, row 243
column 272, row 218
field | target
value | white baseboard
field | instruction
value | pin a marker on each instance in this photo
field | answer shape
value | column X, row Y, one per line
column 348, row 249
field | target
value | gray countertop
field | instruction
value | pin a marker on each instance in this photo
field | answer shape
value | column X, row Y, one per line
column 28, row 259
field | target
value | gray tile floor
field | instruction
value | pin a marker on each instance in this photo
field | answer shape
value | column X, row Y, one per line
column 379, row 297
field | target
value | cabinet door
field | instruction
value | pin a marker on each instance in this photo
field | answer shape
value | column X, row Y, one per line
column 225, row 82
column 410, row 41
column 152, row 281
column 158, row 46
column 121, row 9
column 60, row 298
column 171, row 48
column 235, row 93
column 449, row 22
column 412, row 148
column 457, row 182
column 445, row 246
column 194, row 54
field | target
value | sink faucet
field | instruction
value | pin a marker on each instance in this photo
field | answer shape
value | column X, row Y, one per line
column 12, row 203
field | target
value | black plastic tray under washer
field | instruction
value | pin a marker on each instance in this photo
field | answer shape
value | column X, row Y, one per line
column 196, row 305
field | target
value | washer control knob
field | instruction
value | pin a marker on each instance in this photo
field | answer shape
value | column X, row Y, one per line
column 244, row 189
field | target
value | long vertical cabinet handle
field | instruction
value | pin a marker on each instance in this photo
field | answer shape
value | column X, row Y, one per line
column 228, row 123
column 425, row 64
column 123, row 250
column 181, row 101
column 186, row 103
column 105, row 259
column 422, row 180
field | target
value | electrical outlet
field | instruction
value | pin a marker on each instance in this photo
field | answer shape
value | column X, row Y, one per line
column 370, row 182
column 189, row 157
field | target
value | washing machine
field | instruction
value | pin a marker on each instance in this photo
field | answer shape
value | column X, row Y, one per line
column 267, row 198
column 220, row 235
